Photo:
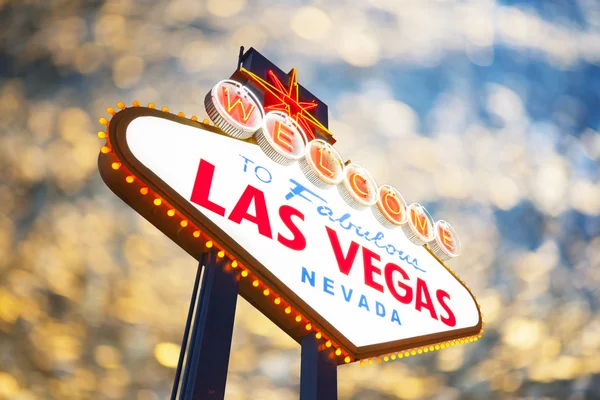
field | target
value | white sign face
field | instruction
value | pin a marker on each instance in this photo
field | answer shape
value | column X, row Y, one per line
column 367, row 280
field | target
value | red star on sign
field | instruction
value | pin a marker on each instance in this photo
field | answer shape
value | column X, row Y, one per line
column 286, row 99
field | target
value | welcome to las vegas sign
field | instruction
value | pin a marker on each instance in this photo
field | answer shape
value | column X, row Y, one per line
column 317, row 244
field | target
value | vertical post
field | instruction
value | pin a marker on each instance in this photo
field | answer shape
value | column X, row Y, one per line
column 318, row 371
column 205, row 373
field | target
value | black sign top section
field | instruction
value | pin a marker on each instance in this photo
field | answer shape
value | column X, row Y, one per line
column 258, row 64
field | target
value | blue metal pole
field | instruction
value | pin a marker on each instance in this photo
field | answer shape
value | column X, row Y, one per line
column 318, row 371
column 186, row 332
column 205, row 373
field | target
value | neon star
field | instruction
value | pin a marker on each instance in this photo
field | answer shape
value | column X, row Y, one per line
column 278, row 97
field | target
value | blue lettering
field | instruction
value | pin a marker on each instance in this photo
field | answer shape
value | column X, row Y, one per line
column 328, row 285
column 396, row 317
column 246, row 160
column 311, row 277
column 348, row 295
column 297, row 190
column 379, row 309
column 363, row 303
column 266, row 180
column 341, row 221
column 390, row 249
column 325, row 211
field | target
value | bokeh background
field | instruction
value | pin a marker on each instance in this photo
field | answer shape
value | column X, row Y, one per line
column 485, row 111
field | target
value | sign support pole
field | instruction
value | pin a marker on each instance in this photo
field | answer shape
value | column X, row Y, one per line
column 318, row 371
column 207, row 359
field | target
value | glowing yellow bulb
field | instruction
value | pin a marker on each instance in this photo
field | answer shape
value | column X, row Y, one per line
column 105, row 149
column 221, row 254
column 121, row 105
column 255, row 283
column 171, row 213
column 244, row 273
column 386, row 358
column 205, row 122
column 234, row 265
column 407, row 354
column 308, row 327
column 151, row 105
column 413, row 353
column 328, row 343
column 101, row 135
column 103, row 121
column 196, row 234
column 277, row 300
column 420, row 351
column 110, row 110
column 298, row 318
column 319, row 335
column 266, row 292
column 180, row 114
column 165, row 109
column 136, row 103
column 116, row 165
column 194, row 118
column 370, row 361
column 209, row 244
column 157, row 202
column 183, row 223
column 288, row 310
column 338, row 352
column 144, row 190
column 362, row 363
column 393, row 356
column 400, row 354
column 437, row 347
column 129, row 179
column 347, row 359
column 425, row 349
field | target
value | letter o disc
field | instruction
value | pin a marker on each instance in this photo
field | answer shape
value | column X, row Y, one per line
column 390, row 209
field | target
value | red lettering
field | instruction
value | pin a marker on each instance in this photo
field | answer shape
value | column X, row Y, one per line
column 420, row 221
column 369, row 269
column 283, row 136
column 447, row 239
column 451, row 319
column 359, row 185
column 390, row 207
column 202, row 185
column 243, row 113
column 321, row 164
column 298, row 242
column 427, row 304
column 388, row 272
column 261, row 219
column 344, row 262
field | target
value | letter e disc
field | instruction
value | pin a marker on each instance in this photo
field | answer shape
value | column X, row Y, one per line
column 446, row 244
column 234, row 109
column 281, row 138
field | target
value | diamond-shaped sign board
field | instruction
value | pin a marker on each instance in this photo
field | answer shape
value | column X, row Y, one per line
column 314, row 242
